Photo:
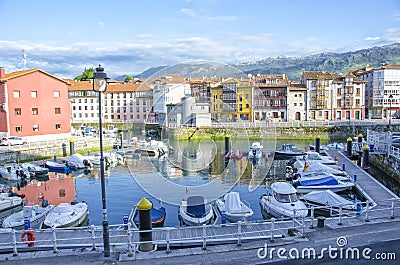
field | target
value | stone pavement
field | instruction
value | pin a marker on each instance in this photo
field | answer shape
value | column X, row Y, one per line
column 382, row 237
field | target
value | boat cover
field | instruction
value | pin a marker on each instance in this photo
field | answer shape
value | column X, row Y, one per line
column 327, row 181
column 76, row 159
column 232, row 202
column 196, row 206
column 327, row 197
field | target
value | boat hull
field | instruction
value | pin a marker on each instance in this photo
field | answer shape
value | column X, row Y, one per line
column 234, row 217
column 291, row 210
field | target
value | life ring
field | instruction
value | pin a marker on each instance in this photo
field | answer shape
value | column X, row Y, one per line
column 30, row 239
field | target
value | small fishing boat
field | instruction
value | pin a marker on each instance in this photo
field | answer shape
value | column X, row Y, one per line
column 9, row 203
column 282, row 202
column 255, row 151
column 195, row 211
column 57, row 167
column 234, row 208
column 35, row 214
column 289, row 150
column 157, row 216
column 67, row 215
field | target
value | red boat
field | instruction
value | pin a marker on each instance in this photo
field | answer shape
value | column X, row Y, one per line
column 239, row 154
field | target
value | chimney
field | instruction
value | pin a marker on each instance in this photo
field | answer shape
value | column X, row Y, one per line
column 2, row 72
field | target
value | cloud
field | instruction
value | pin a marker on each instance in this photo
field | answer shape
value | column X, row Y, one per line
column 392, row 35
column 371, row 38
column 192, row 13
column 101, row 23
column 144, row 35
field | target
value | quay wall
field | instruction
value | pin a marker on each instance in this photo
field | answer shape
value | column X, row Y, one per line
column 299, row 132
column 385, row 171
column 42, row 149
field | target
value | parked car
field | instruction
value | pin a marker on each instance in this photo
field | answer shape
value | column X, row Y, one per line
column 12, row 140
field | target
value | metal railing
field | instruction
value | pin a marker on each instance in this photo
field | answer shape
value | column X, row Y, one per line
column 125, row 235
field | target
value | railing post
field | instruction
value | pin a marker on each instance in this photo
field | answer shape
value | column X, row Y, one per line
column 392, row 209
column 55, row 250
column 168, row 236
column 312, row 218
column 239, row 242
column 93, row 238
column 294, row 218
column 340, row 215
column 15, row 252
column 130, row 240
column 272, row 229
column 367, row 211
column 303, row 224
column 204, row 237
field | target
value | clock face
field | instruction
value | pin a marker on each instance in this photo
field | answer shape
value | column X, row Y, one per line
column 102, row 85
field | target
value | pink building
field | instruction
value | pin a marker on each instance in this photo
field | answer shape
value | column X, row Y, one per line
column 33, row 102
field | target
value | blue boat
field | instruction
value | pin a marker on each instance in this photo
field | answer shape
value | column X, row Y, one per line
column 157, row 216
column 322, row 183
column 57, row 167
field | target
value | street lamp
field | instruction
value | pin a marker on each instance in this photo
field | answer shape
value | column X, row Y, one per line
column 100, row 78
column 390, row 108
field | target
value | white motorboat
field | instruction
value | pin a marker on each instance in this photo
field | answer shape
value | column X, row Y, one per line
column 314, row 156
column 195, row 211
column 9, row 204
column 328, row 201
column 35, row 169
column 255, row 151
column 234, row 208
column 322, row 182
column 283, row 202
column 67, row 215
column 13, row 172
column 79, row 161
column 35, row 213
column 301, row 168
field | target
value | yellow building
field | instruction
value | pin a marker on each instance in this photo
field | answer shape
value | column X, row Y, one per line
column 231, row 101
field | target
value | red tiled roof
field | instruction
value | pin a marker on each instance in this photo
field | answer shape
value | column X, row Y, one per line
column 320, row 75
column 111, row 88
column 17, row 74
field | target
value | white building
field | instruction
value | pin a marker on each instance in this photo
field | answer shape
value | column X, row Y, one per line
column 297, row 102
column 382, row 90
column 168, row 90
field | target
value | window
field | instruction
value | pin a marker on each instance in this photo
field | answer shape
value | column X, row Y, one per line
column 16, row 93
column 58, row 126
column 57, row 110
column 35, row 127
column 56, row 93
column 18, row 128
column 35, row 111
column 17, row 111
column 33, row 94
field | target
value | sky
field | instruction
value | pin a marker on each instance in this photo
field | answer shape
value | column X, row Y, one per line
column 130, row 36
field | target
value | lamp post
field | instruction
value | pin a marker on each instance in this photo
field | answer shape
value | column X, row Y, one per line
column 100, row 78
column 390, row 108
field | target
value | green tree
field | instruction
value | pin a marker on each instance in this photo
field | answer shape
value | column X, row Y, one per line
column 86, row 75
column 128, row 79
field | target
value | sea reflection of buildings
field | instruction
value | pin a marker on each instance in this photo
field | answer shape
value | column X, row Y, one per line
column 59, row 188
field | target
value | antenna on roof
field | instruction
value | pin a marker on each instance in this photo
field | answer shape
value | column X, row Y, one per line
column 24, row 59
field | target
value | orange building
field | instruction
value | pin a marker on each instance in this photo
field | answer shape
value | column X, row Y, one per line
column 33, row 102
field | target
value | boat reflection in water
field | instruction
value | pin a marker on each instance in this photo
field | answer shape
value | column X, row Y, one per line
column 57, row 189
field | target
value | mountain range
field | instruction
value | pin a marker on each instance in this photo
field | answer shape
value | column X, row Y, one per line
column 339, row 63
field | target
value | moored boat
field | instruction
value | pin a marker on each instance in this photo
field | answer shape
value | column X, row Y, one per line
column 195, row 211
column 35, row 169
column 9, row 204
column 234, row 208
column 67, row 215
column 328, row 201
column 322, row 183
column 283, row 202
column 35, row 214
column 157, row 216
column 289, row 150
column 255, row 151
column 57, row 167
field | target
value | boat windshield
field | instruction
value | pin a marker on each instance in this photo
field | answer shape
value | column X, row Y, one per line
column 285, row 198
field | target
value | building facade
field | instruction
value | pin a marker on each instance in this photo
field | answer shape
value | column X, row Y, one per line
column 297, row 102
column 270, row 98
column 32, row 103
column 382, row 91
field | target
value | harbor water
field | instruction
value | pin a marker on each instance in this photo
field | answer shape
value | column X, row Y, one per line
column 193, row 166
